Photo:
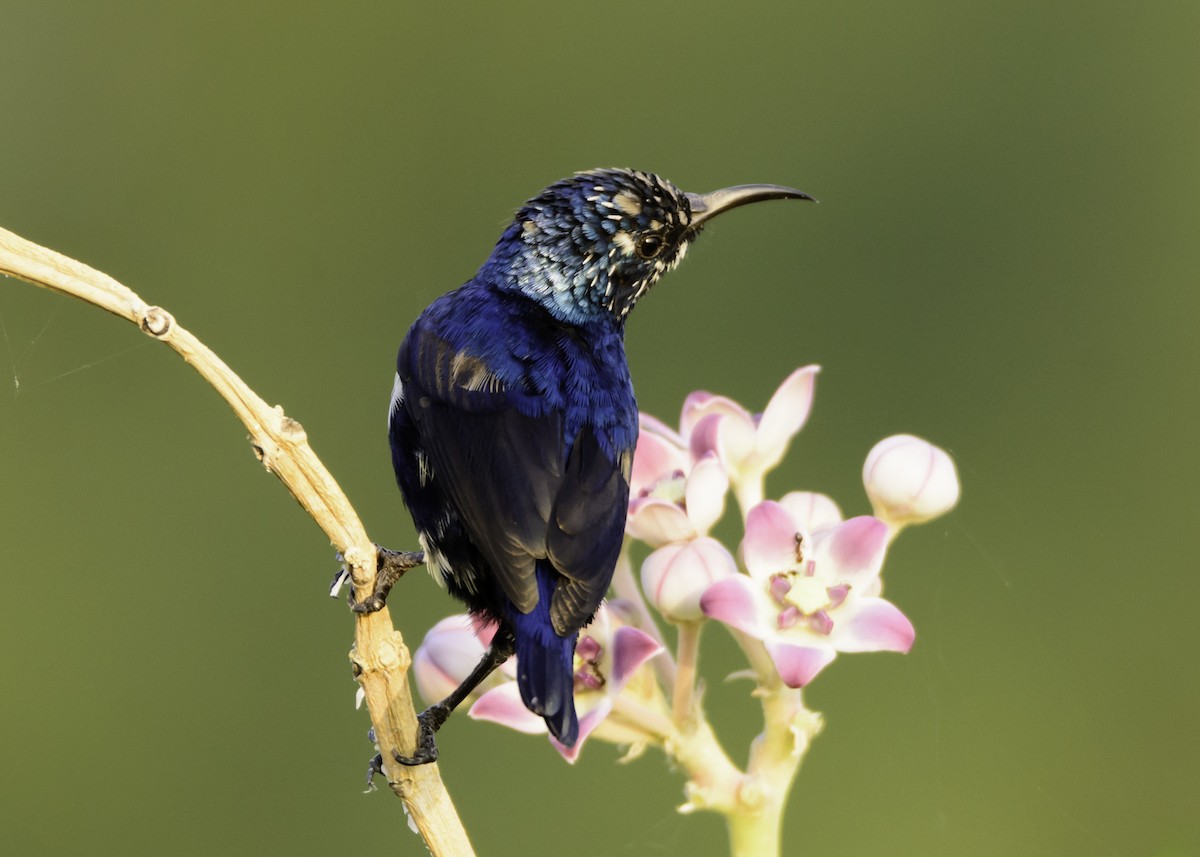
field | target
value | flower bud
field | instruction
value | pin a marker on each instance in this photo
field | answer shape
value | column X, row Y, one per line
column 909, row 480
column 675, row 576
column 445, row 657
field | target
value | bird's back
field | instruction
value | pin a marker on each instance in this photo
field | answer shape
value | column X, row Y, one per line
column 512, row 438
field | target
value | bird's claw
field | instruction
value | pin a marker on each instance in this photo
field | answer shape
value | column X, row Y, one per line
column 390, row 566
column 371, row 604
column 428, row 722
column 374, row 767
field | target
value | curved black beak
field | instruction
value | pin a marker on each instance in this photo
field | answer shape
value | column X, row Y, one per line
column 708, row 205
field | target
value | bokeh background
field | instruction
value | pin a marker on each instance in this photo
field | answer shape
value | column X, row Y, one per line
column 1004, row 260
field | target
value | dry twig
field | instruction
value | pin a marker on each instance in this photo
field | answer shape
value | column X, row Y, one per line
column 380, row 658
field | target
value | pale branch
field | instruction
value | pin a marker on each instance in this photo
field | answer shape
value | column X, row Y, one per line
column 380, row 658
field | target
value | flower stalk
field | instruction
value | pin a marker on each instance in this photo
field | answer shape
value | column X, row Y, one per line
column 685, row 676
column 749, row 493
column 804, row 588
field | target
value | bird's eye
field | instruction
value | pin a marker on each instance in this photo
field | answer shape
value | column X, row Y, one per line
column 649, row 246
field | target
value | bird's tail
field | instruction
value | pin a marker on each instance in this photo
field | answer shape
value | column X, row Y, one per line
column 546, row 666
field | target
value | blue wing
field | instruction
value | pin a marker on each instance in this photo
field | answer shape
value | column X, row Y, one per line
column 528, row 480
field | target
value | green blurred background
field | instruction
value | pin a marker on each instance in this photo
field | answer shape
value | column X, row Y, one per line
column 1004, row 260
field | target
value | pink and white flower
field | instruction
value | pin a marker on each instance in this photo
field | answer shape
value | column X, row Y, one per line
column 449, row 652
column 607, row 657
column 661, row 454
column 810, row 595
column 681, row 504
column 748, row 445
column 675, row 576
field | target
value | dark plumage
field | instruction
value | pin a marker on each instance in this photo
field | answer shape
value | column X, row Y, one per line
column 513, row 420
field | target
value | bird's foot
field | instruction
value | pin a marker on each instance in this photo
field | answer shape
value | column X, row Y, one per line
column 428, row 722
column 390, row 566
column 374, row 767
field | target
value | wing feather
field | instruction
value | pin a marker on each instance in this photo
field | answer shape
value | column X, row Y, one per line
column 522, row 495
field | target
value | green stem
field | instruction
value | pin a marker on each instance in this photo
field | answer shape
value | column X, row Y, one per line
column 749, row 492
column 756, row 654
column 634, row 721
column 651, row 720
column 714, row 781
column 756, row 834
column 775, row 757
column 685, row 674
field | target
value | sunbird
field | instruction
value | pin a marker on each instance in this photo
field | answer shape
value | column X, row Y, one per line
column 513, row 423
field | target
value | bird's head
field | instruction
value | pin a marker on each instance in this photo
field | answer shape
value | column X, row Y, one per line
column 591, row 245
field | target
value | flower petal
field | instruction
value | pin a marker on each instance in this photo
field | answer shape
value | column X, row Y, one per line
column 631, row 647
column 770, row 543
column 786, row 413
column 655, row 459
column 485, row 630
column 734, row 442
column 735, row 601
column 587, row 723
column 798, row 665
column 600, row 628
column 693, row 410
column 811, row 510
column 674, row 577
column 703, row 437
column 701, row 404
column 445, row 657
column 654, row 425
column 658, row 522
column 707, row 485
column 503, row 705
column 872, row 625
column 855, row 548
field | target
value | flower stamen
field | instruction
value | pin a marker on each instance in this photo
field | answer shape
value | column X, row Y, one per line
column 821, row 622
column 587, row 664
column 809, row 594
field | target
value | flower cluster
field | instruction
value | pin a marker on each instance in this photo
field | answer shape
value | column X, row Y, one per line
column 804, row 586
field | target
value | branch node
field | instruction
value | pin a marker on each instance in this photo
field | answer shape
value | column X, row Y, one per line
column 292, row 431
column 392, row 653
column 362, row 565
column 157, row 322
column 751, row 796
column 265, row 450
